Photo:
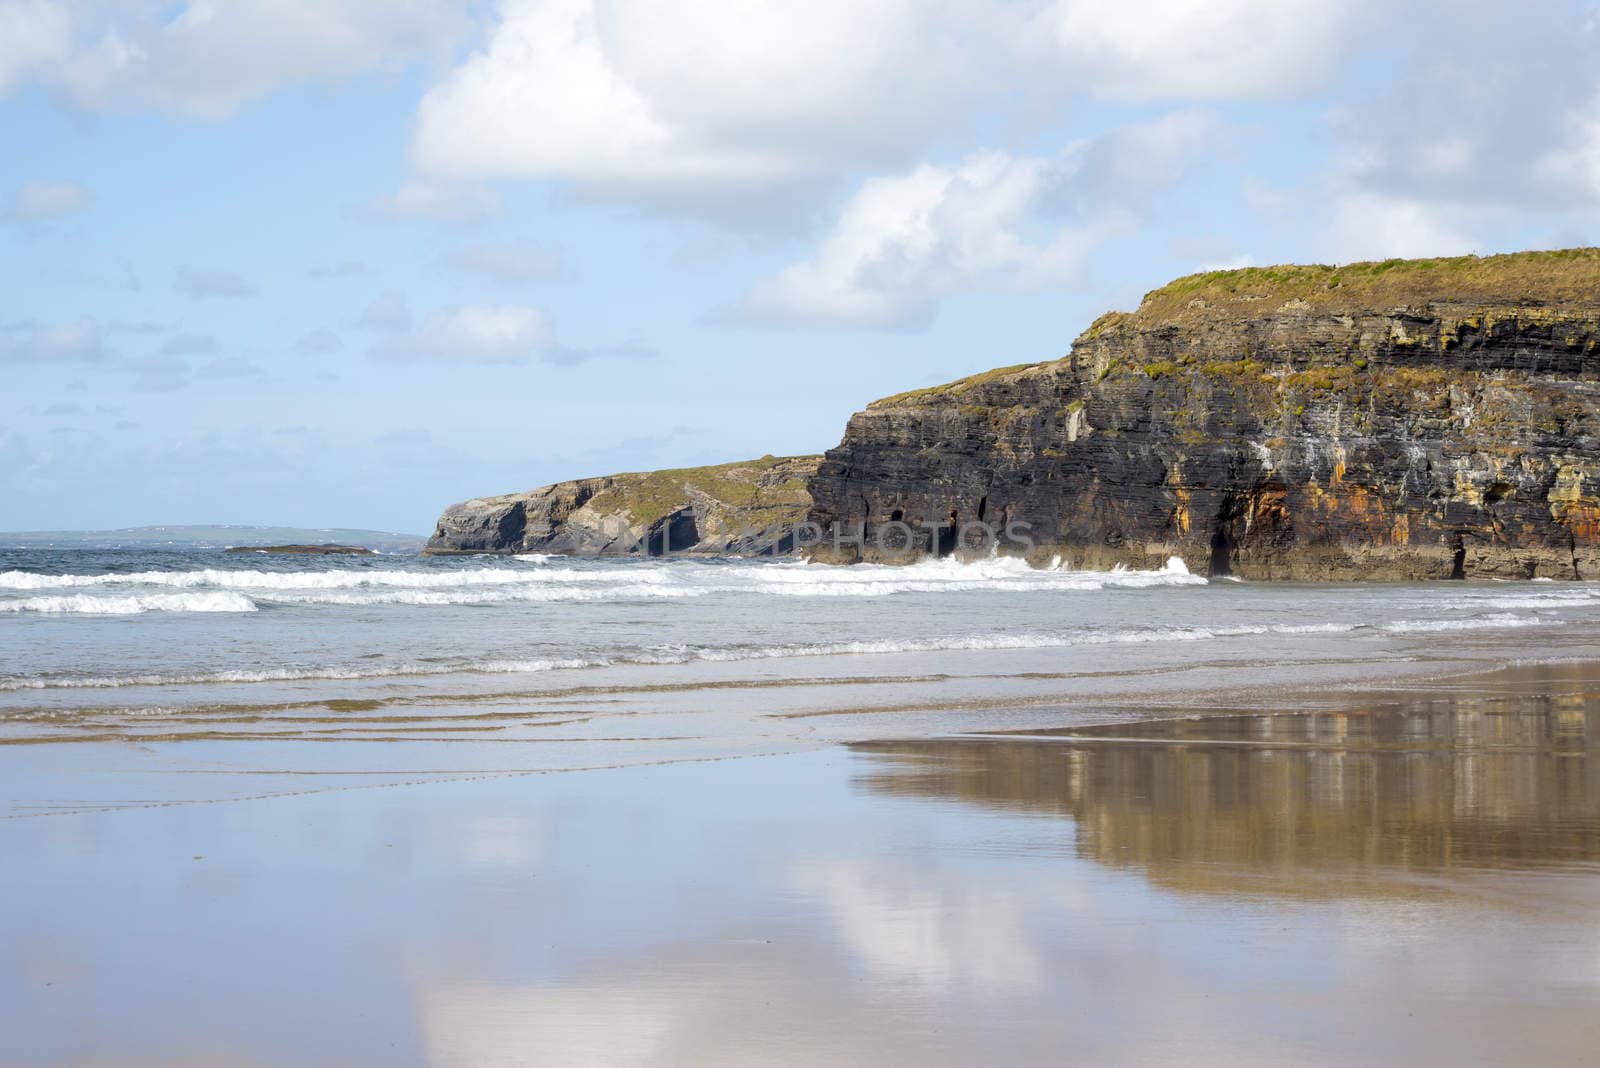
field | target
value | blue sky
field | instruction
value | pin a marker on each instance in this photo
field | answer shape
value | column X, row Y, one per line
column 344, row 262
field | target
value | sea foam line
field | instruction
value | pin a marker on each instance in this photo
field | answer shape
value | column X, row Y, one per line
column 667, row 655
column 626, row 581
column 1491, row 622
column 134, row 604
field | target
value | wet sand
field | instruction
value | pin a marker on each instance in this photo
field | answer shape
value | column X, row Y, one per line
column 1327, row 877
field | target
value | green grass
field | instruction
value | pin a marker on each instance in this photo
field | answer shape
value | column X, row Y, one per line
column 1564, row 276
column 951, row 389
column 1518, row 284
column 649, row 495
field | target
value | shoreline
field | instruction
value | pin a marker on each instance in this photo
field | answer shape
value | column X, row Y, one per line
column 1149, row 901
column 210, row 762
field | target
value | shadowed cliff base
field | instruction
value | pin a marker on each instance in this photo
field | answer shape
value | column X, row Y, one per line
column 1422, row 419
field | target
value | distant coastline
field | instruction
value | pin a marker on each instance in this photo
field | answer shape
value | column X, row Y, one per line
column 211, row 536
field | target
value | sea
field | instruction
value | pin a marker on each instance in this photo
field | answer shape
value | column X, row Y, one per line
column 199, row 643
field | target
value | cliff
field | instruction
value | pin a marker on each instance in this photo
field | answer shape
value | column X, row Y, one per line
column 741, row 509
column 1395, row 420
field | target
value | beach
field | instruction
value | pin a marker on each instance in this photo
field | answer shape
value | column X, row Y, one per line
column 1329, row 824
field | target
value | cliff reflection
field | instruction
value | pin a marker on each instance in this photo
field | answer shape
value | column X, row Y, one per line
column 1282, row 802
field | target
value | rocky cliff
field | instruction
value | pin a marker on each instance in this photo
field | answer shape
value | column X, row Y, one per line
column 741, row 509
column 1396, row 420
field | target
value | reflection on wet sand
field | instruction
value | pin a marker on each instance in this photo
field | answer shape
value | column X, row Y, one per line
column 1286, row 801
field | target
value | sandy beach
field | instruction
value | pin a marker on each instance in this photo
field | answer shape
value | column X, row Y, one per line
column 1409, row 874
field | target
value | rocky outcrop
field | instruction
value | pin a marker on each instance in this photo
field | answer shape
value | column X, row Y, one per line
column 1397, row 420
column 738, row 509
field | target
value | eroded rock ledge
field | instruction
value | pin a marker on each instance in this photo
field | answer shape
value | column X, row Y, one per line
column 737, row 509
column 1396, row 420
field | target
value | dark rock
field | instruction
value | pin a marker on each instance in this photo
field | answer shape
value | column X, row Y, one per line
column 738, row 509
column 1403, row 420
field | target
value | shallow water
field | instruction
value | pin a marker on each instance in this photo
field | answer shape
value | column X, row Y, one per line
column 1402, row 878
column 120, row 684
column 203, row 624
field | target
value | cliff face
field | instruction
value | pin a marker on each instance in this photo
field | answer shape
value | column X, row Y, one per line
column 744, row 509
column 1408, row 419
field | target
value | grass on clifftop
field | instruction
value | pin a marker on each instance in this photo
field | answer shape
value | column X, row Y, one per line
column 1566, row 276
column 960, row 385
column 1562, row 276
column 649, row 495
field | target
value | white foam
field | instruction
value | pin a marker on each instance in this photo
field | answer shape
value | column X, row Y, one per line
column 1317, row 628
column 999, row 573
column 665, row 655
column 131, row 604
column 1407, row 626
column 303, row 674
column 330, row 580
column 484, row 596
column 1566, row 598
column 623, row 580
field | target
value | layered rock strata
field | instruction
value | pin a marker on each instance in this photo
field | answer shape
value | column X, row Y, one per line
column 738, row 509
column 1397, row 420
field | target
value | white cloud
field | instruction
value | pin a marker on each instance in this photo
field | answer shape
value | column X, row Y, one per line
column 390, row 311
column 339, row 269
column 509, row 263
column 641, row 93
column 474, row 333
column 995, row 221
column 1573, row 165
column 318, row 343
column 80, row 341
column 656, row 96
column 1445, row 157
column 1375, row 226
column 902, row 242
column 1468, row 147
column 232, row 367
column 209, row 283
column 1201, row 49
column 438, row 202
column 158, row 374
column 47, row 200
column 566, row 356
column 190, row 345
column 33, row 33
column 209, row 57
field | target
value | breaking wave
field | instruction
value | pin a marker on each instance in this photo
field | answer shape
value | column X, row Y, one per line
column 548, row 582
column 1499, row 620
column 131, row 604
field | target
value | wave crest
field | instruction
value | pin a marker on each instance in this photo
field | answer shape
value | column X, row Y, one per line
column 131, row 604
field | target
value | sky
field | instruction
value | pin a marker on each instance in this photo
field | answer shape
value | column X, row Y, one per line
column 343, row 262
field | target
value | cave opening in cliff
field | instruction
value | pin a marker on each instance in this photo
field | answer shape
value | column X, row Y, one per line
column 949, row 533
column 1222, row 540
column 1221, row 550
column 1458, row 561
column 679, row 532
